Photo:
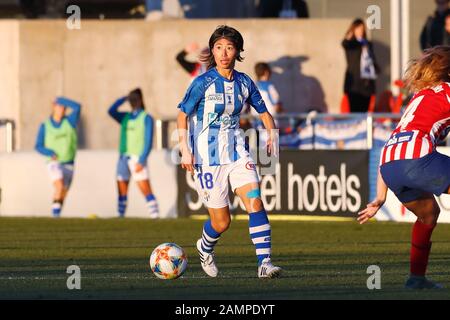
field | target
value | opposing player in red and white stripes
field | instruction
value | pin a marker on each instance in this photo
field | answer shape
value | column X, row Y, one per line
column 410, row 165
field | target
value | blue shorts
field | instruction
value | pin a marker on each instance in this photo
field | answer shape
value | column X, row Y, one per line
column 412, row 179
column 126, row 168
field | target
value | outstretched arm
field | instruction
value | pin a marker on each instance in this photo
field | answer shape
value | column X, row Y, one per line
column 372, row 208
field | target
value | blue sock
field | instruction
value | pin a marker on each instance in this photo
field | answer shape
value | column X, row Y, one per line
column 152, row 205
column 122, row 205
column 210, row 237
column 260, row 233
column 56, row 208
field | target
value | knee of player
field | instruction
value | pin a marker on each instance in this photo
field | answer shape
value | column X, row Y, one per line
column 255, row 201
column 436, row 211
column 221, row 225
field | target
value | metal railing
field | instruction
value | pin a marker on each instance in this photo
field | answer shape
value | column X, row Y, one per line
column 164, row 126
column 9, row 127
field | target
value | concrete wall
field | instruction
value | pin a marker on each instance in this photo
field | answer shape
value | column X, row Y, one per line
column 9, row 74
column 26, row 188
column 105, row 59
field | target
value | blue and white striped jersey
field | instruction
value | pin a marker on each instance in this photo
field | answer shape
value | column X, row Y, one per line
column 213, row 104
column 269, row 94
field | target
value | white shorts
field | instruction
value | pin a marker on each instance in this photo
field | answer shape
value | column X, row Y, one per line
column 212, row 181
column 58, row 171
column 126, row 168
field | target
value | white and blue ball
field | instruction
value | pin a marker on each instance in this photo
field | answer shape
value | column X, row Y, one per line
column 168, row 261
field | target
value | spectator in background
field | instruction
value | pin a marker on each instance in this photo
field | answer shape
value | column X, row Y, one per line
column 193, row 68
column 57, row 140
column 434, row 30
column 362, row 69
column 268, row 92
column 447, row 30
column 136, row 136
column 273, row 8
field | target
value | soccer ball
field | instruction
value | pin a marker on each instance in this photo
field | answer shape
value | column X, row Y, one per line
column 168, row 261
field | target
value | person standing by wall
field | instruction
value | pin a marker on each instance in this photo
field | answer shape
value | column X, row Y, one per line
column 193, row 68
column 446, row 41
column 57, row 140
column 434, row 29
column 268, row 92
column 362, row 69
column 136, row 136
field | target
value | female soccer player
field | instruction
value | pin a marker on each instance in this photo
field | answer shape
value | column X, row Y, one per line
column 136, row 137
column 212, row 106
column 57, row 140
column 410, row 165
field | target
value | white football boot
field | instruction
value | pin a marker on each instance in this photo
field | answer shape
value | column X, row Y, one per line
column 207, row 261
column 268, row 270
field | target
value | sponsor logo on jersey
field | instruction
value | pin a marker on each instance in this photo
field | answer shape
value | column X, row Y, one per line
column 250, row 166
column 224, row 120
column 400, row 138
column 216, row 97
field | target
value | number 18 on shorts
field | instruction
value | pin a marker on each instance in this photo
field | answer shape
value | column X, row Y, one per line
column 212, row 181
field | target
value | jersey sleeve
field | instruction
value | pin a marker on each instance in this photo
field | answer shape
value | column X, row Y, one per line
column 273, row 94
column 113, row 110
column 40, row 144
column 74, row 116
column 148, row 139
column 255, row 99
column 192, row 97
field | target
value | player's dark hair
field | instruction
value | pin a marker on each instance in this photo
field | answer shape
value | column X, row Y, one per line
column 136, row 98
column 355, row 24
column 261, row 68
column 224, row 32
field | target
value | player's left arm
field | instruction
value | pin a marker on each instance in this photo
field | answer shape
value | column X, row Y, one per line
column 74, row 116
column 257, row 102
column 372, row 208
column 147, row 144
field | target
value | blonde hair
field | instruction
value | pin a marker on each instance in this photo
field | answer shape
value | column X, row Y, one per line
column 430, row 70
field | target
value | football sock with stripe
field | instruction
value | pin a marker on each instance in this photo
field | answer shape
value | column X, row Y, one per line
column 260, row 233
column 122, row 205
column 210, row 237
column 152, row 205
column 56, row 207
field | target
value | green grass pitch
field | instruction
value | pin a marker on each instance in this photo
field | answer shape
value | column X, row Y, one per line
column 321, row 260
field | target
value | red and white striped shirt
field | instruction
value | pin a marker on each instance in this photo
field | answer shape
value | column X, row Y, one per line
column 425, row 122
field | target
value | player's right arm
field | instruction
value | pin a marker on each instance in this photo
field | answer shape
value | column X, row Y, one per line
column 372, row 208
column 40, row 144
column 113, row 110
column 187, row 107
column 187, row 159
